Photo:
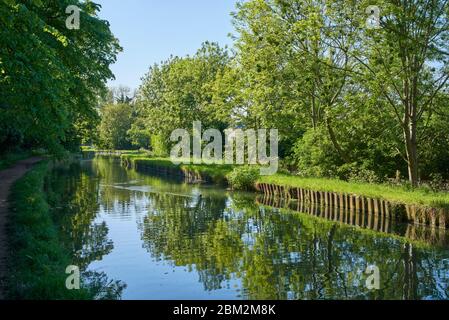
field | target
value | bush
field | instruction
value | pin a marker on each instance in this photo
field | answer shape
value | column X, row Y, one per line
column 363, row 176
column 243, row 178
column 314, row 155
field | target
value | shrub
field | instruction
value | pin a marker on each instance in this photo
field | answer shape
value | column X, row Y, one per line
column 314, row 155
column 243, row 178
column 363, row 176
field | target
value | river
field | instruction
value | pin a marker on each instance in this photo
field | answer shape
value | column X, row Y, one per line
column 143, row 237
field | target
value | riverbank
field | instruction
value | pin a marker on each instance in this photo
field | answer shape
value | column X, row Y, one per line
column 396, row 194
column 196, row 172
column 9, row 159
column 37, row 260
column 8, row 177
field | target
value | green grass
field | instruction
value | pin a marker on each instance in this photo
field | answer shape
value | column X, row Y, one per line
column 216, row 172
column 93, row 149
column 38, row 261
column 419, row 196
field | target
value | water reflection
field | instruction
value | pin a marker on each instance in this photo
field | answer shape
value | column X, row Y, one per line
column 73, row 195
column 171, row 240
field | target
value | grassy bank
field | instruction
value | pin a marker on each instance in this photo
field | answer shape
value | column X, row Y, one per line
column 419, row 196
column 399, row 194
column 38, row 261
column 215, row 172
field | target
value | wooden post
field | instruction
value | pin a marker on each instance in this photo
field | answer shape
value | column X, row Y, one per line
column 442, row 218
column 413, row 213
column 433, row 218
column 370, row 205
column 376, row 206
column 370, row 212
column 376, row 222
column 387, row 222
column 382, row 215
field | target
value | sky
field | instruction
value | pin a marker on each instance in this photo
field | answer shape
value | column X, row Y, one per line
column 151, row 30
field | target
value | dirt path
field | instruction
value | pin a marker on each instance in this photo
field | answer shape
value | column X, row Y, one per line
column 7, row 179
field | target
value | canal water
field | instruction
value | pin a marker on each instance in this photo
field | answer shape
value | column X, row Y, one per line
column 135, row 236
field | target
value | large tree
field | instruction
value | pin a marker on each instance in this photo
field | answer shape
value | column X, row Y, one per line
column 179, row 91
column 50, row 75
column 297, row 54
column 406, row 63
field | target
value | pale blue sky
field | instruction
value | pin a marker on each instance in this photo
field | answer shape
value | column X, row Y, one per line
column 151, row 30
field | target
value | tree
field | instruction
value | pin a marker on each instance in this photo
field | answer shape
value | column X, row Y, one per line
column 116, row 120
column 50, row 76
column 298, row 56
column 178, row 92
column 406, row 62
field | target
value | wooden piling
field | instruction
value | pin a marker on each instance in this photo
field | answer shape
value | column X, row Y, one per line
column 442, row 219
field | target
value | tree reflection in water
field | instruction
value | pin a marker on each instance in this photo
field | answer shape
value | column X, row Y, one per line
column 73, row 196
column 283, row 255
column 228, row 240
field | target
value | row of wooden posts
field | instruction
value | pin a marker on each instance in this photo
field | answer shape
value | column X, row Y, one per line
column 435, row 217
column 364, row 220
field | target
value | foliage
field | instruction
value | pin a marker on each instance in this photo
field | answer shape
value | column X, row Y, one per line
column 314, row 155
column 243, row 178
column 50, row 76
column 349, row 102
column 10, row 158
column 116, row 121
column 178, row 92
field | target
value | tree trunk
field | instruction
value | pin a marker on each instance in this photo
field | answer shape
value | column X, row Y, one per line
column 335, row 143
column 410, row 131
column 412, row 157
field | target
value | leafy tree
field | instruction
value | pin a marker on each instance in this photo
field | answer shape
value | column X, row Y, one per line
column 178, row 92
column 406, row 63
column 116, row 120
column 50, row 76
